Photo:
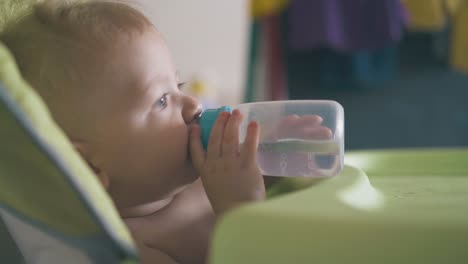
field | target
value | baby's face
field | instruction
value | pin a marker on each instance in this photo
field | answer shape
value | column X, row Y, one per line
column 143, row 141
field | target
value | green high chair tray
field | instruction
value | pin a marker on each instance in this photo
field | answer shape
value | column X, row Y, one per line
column 405, row 206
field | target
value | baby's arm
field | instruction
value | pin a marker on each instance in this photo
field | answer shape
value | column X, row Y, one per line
column 228, row 170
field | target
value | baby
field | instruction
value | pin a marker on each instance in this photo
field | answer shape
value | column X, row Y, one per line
column 109, row 81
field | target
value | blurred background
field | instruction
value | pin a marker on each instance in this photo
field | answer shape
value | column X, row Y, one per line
column 398, row 67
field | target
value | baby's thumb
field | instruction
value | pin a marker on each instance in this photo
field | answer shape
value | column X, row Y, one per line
column 197, row 152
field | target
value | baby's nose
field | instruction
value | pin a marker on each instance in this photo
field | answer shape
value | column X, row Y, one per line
column 192, row 109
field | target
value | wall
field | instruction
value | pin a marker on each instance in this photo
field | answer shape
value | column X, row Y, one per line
column 208, row 38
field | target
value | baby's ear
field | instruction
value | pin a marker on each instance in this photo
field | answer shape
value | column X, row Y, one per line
column 84, row 151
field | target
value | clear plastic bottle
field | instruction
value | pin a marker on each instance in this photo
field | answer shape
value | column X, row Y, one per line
column 298, row 138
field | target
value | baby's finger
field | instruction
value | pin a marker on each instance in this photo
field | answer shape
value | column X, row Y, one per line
column 320, row 132
column 216, row 136
column 293, row 125
column 310, row 120
column 249, row 148
column 288, row 120
column 196, row 148
column 300, row 121
column 231, row 135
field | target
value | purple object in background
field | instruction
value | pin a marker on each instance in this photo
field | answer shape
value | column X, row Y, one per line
column 346, row 25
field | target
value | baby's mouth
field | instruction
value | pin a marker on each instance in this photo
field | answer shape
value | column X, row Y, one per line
column 195, row 119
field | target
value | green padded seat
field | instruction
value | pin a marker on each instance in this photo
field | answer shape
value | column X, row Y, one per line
column 51, row 203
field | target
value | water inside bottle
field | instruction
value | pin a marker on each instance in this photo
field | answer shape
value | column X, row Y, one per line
column 297, row 157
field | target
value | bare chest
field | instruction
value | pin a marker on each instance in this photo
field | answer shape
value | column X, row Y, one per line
column 182, row 231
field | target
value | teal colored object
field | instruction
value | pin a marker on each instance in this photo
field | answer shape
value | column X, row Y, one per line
column 207, row 120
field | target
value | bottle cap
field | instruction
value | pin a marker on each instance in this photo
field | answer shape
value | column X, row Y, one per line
column 207, row 120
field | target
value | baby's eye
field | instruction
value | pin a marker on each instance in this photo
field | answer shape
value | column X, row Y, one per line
column 161, row 103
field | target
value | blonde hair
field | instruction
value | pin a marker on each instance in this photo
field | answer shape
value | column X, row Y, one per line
column 52, row 39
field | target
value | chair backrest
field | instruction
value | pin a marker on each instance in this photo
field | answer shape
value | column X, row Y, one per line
column 51, row 203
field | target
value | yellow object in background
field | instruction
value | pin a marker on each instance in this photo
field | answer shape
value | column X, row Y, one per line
column 198, row 87
column 260, row 8
column 453, row 5
column 459, row 53
column 203, row 86
column 430, row 15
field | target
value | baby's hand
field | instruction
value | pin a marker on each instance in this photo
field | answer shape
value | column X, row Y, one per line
column 304, row 127
column 228, row 170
